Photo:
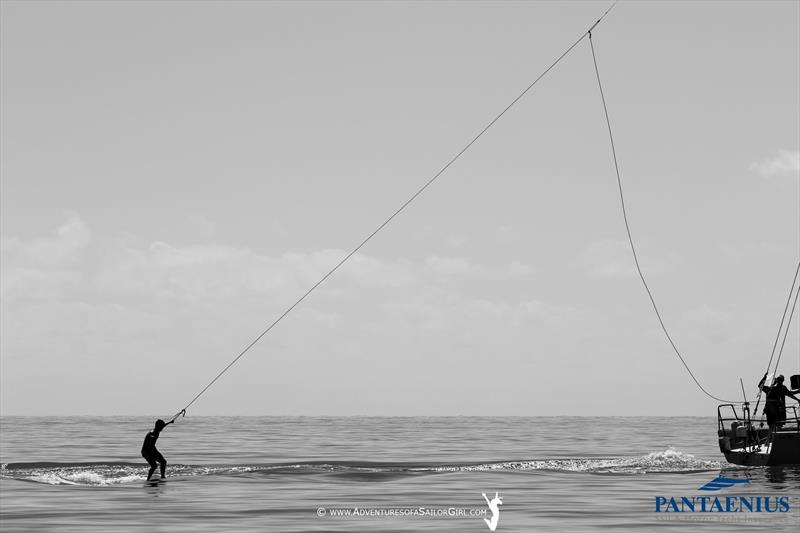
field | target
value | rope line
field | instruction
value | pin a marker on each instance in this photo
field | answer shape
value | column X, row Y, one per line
column 396, row 212
column 630, row 238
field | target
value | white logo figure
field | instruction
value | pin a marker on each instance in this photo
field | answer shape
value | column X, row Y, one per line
column 493, row 504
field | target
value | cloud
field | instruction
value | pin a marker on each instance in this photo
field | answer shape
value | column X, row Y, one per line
column 217, row 272
column 432, row 311
column 43, row 268
column 200, row 225
column 69, row 239
column 449, row 265
column 35, row 283
column 749, row 250
column 372, row 272
column 456, row 241
column 544, row 312
column 705, row 314
column 136, row 272
column 507, row 234
column 785, row 162
column 71, row 278
column 609, row 258
column 517, row 268
column 612, row 258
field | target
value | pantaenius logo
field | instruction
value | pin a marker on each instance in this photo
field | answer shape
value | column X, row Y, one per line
column 723, row 504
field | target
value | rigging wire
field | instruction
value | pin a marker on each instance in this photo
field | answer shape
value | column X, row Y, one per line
column 786, row 332
column 630, row 238
column 396, row 212
column 780, row 328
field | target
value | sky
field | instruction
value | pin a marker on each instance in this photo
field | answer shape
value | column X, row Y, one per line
column 174, row 175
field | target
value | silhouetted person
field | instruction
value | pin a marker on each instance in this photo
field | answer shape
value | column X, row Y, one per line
column 149, row 451
column 775, row 406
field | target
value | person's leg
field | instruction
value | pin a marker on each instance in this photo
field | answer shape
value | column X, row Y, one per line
column 163, row 463
column 781, row 415
column 772, row 418
column 152, row 462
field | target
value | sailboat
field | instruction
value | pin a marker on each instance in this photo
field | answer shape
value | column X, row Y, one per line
column 749, row 441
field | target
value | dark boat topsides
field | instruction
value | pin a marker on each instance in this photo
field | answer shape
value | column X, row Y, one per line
column 752, row 442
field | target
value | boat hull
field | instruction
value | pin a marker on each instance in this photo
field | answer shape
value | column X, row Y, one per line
column 783, row 450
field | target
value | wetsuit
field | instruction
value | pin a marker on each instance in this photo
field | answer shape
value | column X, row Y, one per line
column 152, row 455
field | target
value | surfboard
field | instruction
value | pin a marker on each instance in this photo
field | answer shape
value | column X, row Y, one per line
column 153, row 482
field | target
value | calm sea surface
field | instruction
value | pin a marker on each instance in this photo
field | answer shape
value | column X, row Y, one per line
column 390, row 474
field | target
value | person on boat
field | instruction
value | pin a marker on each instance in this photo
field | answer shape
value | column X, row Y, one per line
column 775, row 407
column 149, row 451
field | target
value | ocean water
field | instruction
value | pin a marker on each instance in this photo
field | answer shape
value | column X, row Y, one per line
column 391, row 474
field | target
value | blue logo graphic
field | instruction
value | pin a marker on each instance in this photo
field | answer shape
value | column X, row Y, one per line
column 723, row 504
column 723, row 483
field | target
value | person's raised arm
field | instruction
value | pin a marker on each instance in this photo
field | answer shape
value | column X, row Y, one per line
column 182, row 412
column 761, row 383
